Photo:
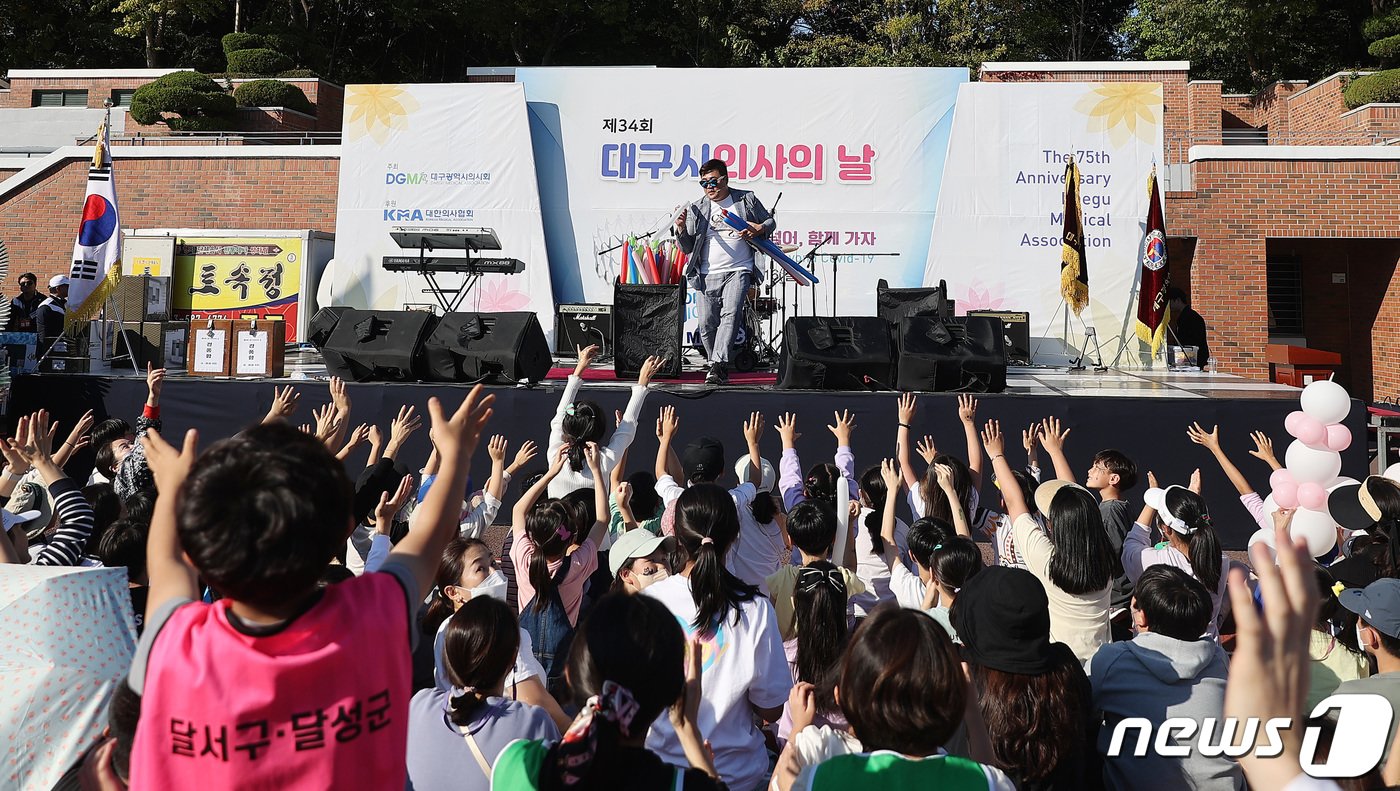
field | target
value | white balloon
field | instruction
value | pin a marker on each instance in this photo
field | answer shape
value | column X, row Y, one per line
column 1326, row 401
column 1265, row 537
column 1310, row 465
column 1340, row 481
column 1392, row 472
column 1270, row 505
column 1317, row 528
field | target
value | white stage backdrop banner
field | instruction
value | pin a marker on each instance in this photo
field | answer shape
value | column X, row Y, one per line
column 996, row 235
column 438, row 156
column 857, row 155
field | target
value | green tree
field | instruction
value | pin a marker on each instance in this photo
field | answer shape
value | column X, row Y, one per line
column 1249, row 44
column 150, row 20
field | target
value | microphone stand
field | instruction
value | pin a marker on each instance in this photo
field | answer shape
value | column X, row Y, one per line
column 811, row 259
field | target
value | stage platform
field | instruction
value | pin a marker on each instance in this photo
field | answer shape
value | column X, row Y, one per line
column 1143, row 413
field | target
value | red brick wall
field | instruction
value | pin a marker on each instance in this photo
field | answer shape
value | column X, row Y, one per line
column 98, row 89
column 1313, row 114
column 1240, row 106
column 1203, row 105
column 1239, row 204
column 39, row 222
column 1271, row 108
column 1177, row 118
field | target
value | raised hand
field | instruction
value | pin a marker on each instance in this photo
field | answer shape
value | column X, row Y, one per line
column 927, row 449
column 1152, row 480
column 1030, row 437
column 945, row 477
column 496, row 449
column 622, row 493
column 284, row 403
column 1210, row 440
column 170, row 466
column 527, row 451
column 907, row 405
column 845, row 423
column 967, row 408
column 591, row 455
column 787, row 429
column 1263, row 449
column 1195, row 483
column 753, row 428
column 649, row 369
column 1051, row 434
column 339, row 396
column 666, row 423
column 78, row 437
column 889, row 473
column 327, row 422
column 456, row 436
column 33, row 440
column 561, row 457
column 155, row 382
column 586, row 356
column 991, row 439
column 404, row 424
column 389, row 506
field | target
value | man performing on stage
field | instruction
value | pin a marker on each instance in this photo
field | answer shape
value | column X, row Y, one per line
column 721, row 261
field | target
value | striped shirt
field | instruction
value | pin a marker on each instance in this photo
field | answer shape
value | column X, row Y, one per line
column 75, row 524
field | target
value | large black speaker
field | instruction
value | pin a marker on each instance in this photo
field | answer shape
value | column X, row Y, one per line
column 319, row 329
column 476, row 347
column 379, row 346
column 1016, row 332
column 647, row 321
column 824, row 353
column 953, row 355
column 893, row 304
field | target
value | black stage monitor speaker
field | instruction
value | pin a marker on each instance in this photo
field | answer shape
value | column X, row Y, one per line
column 476, row 347
column 893, row 304
column 965, row 355
column 379, row 345
column 1016, row 326
column 824, row 353
column 160, row 343
column 319, row 329
column 647, row 321
column 580, row 325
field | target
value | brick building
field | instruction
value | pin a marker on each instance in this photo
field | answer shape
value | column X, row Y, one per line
column 1281, row 206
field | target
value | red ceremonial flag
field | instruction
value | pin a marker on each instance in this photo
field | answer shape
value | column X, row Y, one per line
column 1153, row 314
column 1074, row 269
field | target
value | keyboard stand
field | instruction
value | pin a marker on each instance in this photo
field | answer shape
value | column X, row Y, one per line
column 449, row 298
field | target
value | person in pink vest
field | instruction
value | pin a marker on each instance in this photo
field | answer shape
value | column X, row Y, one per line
column 282, row 683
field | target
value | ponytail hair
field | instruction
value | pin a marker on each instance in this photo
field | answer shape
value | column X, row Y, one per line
column 550, row 527
column 479, row 649
column 819, row 616
column 821, row 483
column 583, row 423
column 449, row 572
column 763, row 508
column 1386, row 496
column 707, row 525
column 956, row 561
column 1203, row 545
column 872, row 485
column 935, row 501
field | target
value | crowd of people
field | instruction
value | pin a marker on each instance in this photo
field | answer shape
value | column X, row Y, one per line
column 693, row 620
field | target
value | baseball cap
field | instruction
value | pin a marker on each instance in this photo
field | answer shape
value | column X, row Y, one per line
column 703, row 458
column 29, row 497
column 58, row 280
column 1354, row 506
column 743, row 467
column 1045, row 493
column 636, row 543
column 1378, row 603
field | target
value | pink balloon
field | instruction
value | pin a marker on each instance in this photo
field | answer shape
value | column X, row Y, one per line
column 1291, row 423
column 1281, row 478
column 1338, row 437
column 1313, row 496
column 1286, row 495
column 1311, row 431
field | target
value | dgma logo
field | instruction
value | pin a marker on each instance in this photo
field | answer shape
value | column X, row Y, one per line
column 1363, row 731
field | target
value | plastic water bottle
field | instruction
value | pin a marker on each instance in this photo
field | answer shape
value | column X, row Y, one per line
column 1210, row 365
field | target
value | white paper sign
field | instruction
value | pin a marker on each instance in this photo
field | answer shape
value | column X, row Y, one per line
column 252, row 354
column 209, row 351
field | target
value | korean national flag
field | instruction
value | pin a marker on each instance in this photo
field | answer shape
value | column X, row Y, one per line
column 97, row 252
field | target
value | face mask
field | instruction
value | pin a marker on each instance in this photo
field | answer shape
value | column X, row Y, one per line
column 493, row 586
column 642, row 581
column 1360, row 641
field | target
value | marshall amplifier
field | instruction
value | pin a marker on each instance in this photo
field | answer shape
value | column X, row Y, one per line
column 580, row 325
column 1016, row 328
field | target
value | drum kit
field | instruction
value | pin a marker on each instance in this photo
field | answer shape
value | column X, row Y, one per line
column 756, row 343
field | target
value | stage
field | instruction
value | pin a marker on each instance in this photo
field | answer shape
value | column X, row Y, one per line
column 1143, row 413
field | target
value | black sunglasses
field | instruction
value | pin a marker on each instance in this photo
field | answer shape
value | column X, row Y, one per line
column 707, row 183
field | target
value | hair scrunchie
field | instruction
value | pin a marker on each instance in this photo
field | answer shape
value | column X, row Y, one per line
column 577, row 749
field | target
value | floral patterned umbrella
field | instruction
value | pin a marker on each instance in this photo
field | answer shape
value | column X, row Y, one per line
column 68, row 637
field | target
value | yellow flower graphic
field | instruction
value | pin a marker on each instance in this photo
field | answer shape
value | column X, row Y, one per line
column 375, row 110
column 1124, row 109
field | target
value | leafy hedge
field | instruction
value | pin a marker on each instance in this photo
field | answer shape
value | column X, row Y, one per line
column 1387, row 49
column 1383, row 86
column 234, row 42
column 272, row 93
column 258, row 61
column 200, row 103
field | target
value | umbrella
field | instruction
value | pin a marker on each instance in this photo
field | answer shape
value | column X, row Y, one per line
column 68, row 637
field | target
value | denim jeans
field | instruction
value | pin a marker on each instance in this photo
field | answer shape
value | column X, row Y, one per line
column 719, row 305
